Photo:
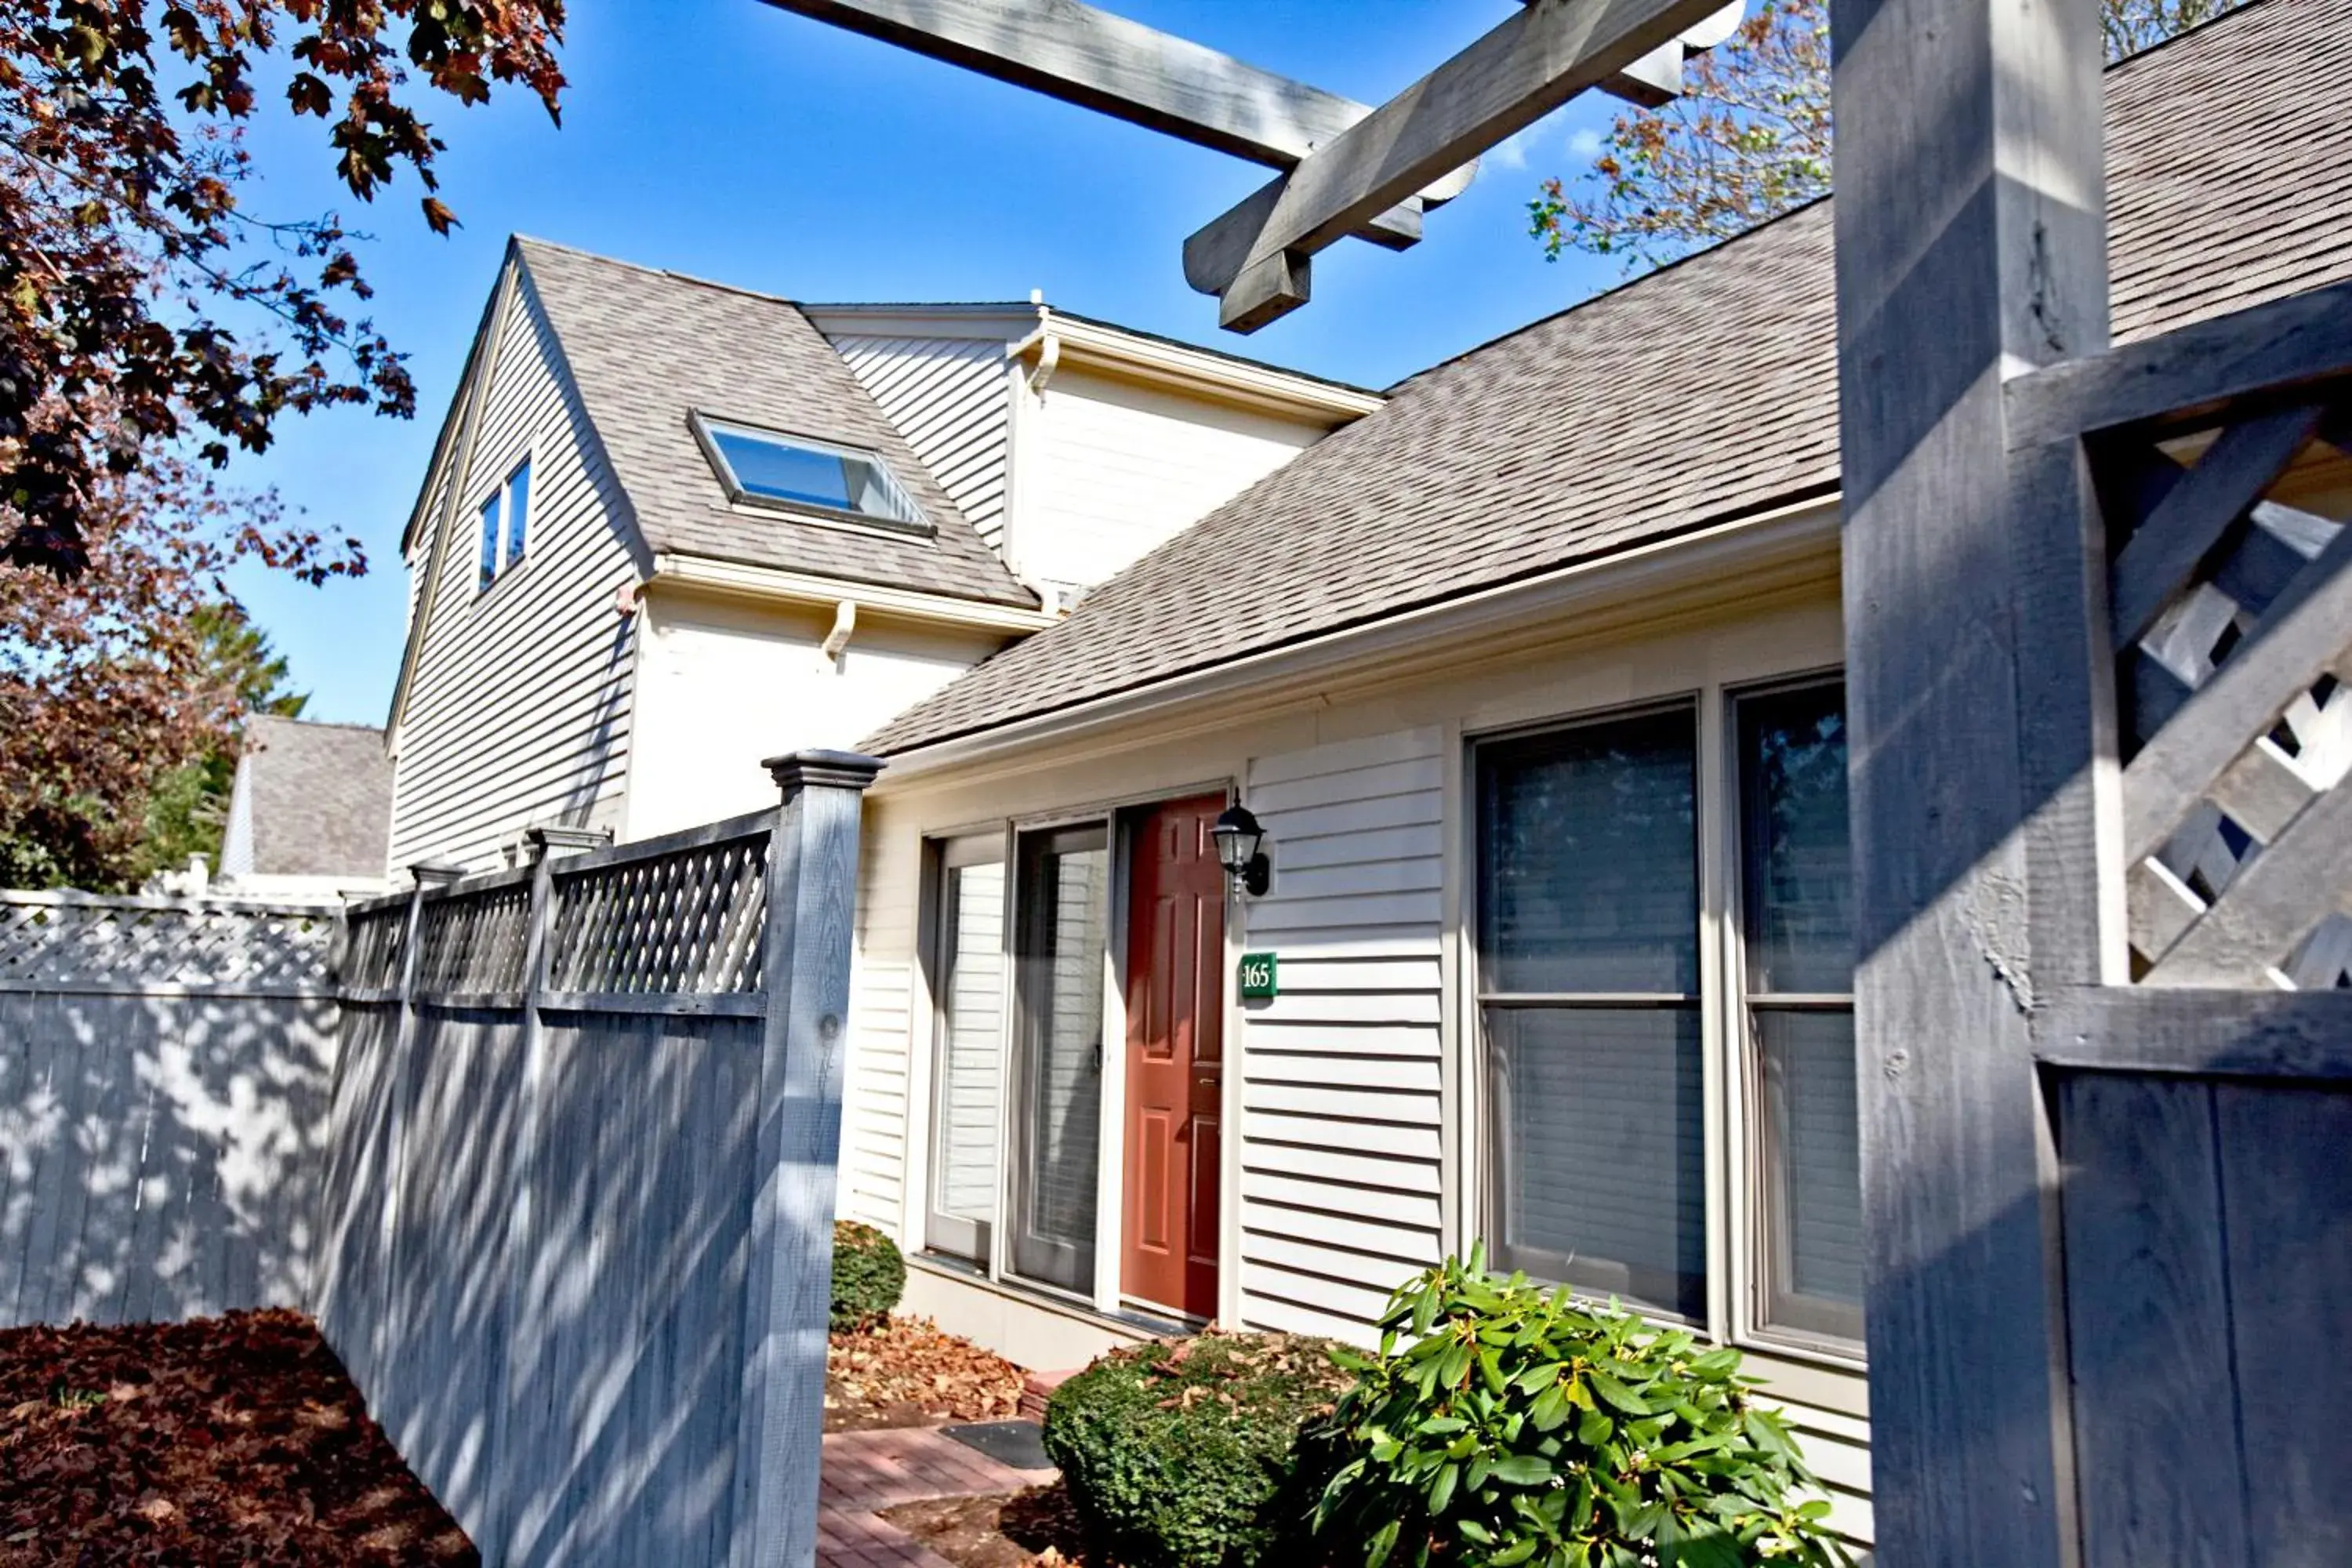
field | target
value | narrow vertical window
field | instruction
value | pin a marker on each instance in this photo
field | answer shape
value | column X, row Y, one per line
column 1063, row 900
column 489, row 542
column 1588, row 952
column 1797, row 914
column 518, row 511
column 968, row 1052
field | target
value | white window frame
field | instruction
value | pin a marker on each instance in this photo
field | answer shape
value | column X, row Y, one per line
column 707, row 429
column 503, row 557
column 1733, row 1101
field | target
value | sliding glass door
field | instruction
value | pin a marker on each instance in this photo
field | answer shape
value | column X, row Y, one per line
column 1061, row 931
column 968, row 1050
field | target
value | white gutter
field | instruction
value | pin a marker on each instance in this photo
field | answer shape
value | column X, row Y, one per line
column 774, row 585
column 1066, row 340
column 1786, row 535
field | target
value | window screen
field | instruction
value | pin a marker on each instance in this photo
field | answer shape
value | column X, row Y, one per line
column 968, row 1050
column 1063, row 908
column 1587, row 942
column 1798, row 908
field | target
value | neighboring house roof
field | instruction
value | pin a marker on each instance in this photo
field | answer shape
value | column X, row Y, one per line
column 309, row 800
column 647, row 349
column 1698, row 396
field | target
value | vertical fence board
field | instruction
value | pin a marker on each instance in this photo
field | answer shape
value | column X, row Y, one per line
column 2148, row 1312
column 163, row 1078
column 2287, row 1177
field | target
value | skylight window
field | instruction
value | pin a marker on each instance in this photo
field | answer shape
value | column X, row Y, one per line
column 792, row 473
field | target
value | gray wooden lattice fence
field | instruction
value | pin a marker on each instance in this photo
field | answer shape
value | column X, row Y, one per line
column 163, row 1082
column 578, row 1204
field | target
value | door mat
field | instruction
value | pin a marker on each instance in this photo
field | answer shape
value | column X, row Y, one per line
column 1018, row 1444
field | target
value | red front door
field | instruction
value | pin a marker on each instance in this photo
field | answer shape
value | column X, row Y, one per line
column 1175, row 1059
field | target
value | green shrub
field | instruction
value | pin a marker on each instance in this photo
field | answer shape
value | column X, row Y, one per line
column 1182, row 1454
column 1504, row 1424
column 869, row 1276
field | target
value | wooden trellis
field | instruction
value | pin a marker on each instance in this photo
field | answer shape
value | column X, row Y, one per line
column 81, row 941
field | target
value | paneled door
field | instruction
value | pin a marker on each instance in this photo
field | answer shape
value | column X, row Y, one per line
column 1175, row 1059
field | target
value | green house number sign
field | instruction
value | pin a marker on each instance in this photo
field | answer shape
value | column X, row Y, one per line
column 1258, row 976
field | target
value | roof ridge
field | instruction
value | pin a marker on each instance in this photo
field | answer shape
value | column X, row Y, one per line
column 315, row 723
column 670, row 273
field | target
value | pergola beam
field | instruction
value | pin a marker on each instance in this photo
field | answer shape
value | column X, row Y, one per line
column 1255, row 256
column 1107, row 63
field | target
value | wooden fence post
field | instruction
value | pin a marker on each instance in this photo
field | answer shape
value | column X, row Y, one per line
column 812, row 891
column 1971, row 247
column 425, row 878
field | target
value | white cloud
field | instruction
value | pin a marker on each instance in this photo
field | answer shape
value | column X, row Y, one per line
column 1511, row 153
column 1585, row 142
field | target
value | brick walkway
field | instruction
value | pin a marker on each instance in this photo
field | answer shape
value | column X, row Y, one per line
column 865, row 1471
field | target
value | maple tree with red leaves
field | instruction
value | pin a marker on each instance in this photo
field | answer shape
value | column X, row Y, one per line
column 1749, row 137
column 125, row 254
column 111, row 680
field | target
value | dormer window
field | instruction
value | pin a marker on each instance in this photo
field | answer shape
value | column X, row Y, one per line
column 792, row 473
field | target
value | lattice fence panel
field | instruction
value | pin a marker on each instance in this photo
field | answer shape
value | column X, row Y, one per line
column 2238, row 817
column 686, row 922
column 74, row 939
column 473, row 942
column 374, row 945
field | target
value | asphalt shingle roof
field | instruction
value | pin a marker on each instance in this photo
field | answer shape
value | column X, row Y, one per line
column 647, row 349
column 321, row 797
column 1699, row 394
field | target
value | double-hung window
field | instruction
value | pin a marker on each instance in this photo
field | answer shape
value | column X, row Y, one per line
column 1599, row 1014
column 505, row 516
column 1589, row 982
column 1797, row 918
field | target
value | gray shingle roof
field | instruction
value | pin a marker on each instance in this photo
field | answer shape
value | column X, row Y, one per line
column 1699, row 394
column 647, row 349
column 321, row 797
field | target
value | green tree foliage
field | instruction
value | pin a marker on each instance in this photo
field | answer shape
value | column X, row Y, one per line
column 115, row 680
column 1750, row 139
column 1504, row 1424
column 128, row 260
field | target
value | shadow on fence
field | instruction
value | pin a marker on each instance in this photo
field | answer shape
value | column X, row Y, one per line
column 164, row 1070
column 579, row 1189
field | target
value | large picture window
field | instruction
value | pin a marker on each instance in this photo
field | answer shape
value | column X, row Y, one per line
column 1590, row 991
column 1601, row 997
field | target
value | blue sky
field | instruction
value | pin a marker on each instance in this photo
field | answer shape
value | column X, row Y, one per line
column 736, row 141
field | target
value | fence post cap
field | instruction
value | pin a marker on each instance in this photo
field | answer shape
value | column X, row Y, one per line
column 436, row 873
column 834, row 770
column 549, row 838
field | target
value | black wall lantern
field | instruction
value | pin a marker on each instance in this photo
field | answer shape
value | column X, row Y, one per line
column 1239, row 837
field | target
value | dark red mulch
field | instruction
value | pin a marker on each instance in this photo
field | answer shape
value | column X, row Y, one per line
column 232, row 1439
column 1036, row 1528
column 904, row 1372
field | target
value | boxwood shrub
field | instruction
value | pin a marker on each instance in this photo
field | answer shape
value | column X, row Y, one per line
column 1183, row 1453
column 869, row 1276
column 1504, row 1424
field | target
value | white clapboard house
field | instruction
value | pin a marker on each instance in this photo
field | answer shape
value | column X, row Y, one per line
column 1531, row 679
column 671, row 528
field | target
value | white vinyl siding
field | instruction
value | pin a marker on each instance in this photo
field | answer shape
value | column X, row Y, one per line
column 876, row 1109
column 1342, row 1111
column 952, row 398
column 518, row 711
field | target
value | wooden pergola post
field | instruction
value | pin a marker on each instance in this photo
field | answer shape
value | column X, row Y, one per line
column 1971, row 247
